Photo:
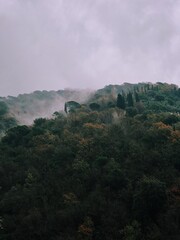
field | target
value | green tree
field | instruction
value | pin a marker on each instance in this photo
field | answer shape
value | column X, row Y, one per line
column 94, row 106
column 121, row 102
column 149, row 198
column 3, row 108
column 137, row 97
column 130, row 100
column 132, row 232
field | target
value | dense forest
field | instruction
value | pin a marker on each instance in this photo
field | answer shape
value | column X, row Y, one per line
column 106, row 168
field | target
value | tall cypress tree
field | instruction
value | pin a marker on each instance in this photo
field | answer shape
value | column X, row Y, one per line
column 121, row 101
column 136, row 97
column 130, row 100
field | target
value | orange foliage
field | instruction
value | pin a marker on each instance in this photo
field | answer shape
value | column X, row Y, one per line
column 175, row 190
column 175, row 136
column 161, row 125
column 85, row 230
column 94, row 126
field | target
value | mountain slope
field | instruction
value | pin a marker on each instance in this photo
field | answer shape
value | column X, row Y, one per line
column 27, row 107
column 101, row 171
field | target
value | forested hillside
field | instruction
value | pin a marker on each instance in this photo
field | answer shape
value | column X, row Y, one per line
column 27, row 107
column 106, row 168
column 6, row 119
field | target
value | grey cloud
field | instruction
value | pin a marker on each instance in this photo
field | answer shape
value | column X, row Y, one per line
column 87, row 44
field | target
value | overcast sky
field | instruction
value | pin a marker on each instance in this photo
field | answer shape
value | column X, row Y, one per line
column 54, row 44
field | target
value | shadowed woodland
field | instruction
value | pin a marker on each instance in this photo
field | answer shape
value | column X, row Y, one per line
column 105, row 169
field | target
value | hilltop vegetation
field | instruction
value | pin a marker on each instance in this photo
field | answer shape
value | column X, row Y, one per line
column 25, row 108
column 6, row 120
column 159, row 97
column 108, row 169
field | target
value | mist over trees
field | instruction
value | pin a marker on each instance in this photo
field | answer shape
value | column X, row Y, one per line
column 106, row 168
column 25, row 108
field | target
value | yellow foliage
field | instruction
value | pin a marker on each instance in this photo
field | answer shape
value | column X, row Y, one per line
column 70, row 198
column 94, row 126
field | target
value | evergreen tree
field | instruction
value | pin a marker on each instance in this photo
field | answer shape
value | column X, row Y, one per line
column 65, row 108
column 130, row 100
column 137, row 97
column 121, row 101
column 3, row 108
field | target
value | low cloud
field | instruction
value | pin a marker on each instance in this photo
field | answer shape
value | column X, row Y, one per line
column 87, row 44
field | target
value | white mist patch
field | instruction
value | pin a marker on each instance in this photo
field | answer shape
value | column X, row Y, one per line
column 42, row 104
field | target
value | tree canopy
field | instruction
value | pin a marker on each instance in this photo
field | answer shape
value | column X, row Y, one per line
column 98, row 172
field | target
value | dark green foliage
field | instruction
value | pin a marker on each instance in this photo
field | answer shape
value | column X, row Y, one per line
column 137, row 97
column 149, row 198
column 3, row 108
column 94, row 174
column 65, row 108
column 6, row 120
column 71, row 106
column 94, row 106
column 132, row 232
column 159, row 98
column 39, row 122
column 121, row 101
column 15, row 136
column 171, row 119
column 131, row 111
column 130, row 101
